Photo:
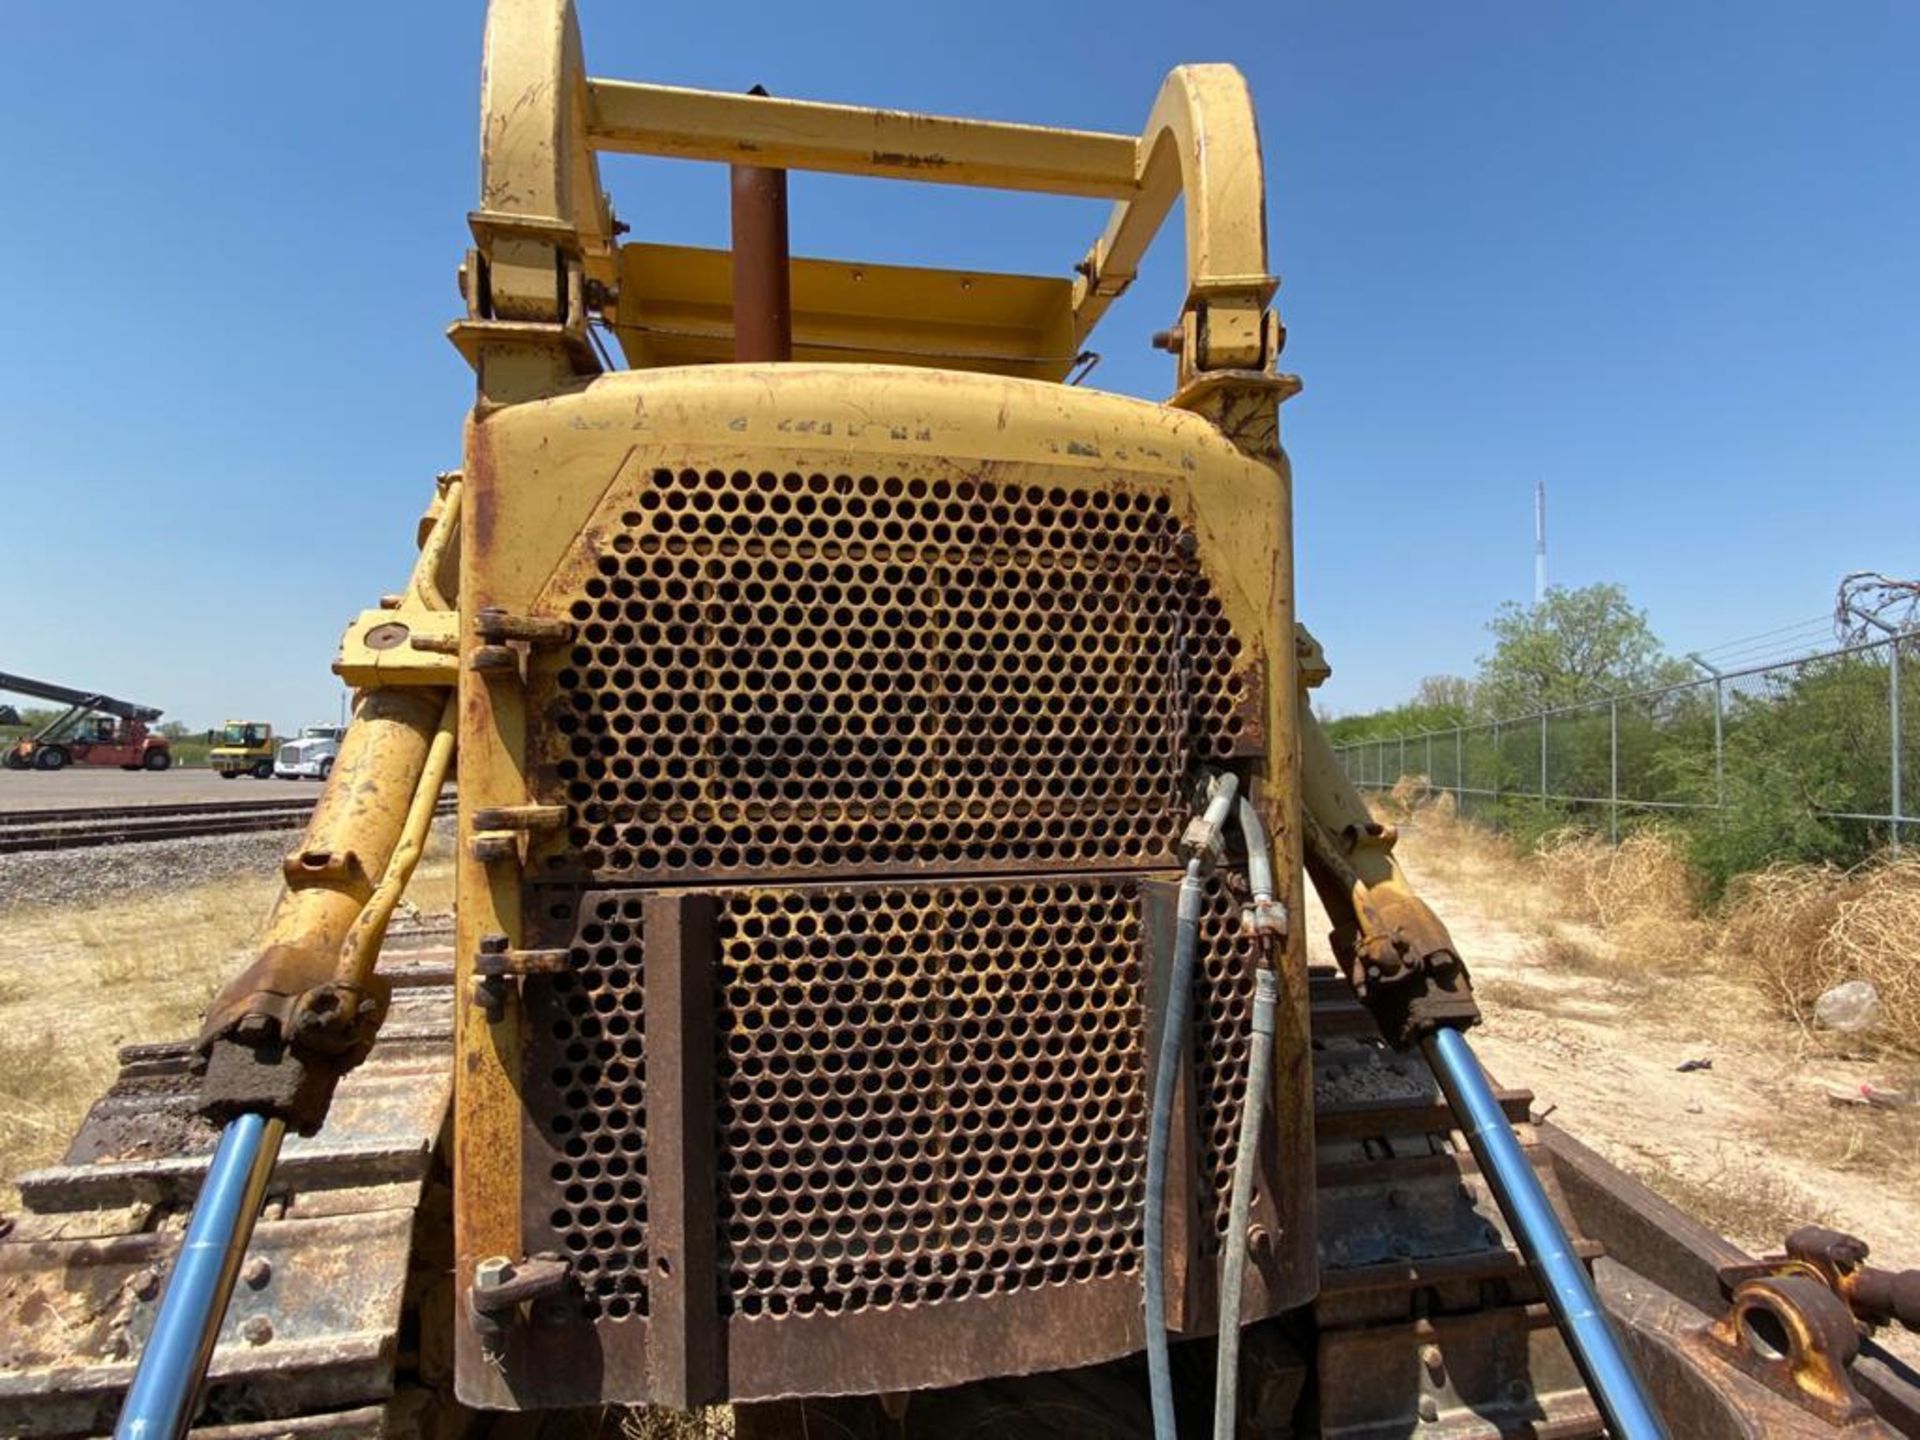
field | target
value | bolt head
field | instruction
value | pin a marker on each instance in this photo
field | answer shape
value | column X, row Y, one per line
column 257, row 1330
column 1429, row 1409
column 145, row 1284
column 492, row 1272
column 258, row 1272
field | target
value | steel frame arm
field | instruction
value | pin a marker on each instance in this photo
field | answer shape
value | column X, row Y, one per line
column 543, row 213
column 78, row 699
column 1397, row 954
column 1201, row 140
column 281, row 1034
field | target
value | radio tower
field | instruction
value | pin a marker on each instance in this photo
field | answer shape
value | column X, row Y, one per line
column 1539, row 541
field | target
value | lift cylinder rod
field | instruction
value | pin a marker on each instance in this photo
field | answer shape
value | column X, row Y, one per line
column 1611, row 1378
column 160, row 1401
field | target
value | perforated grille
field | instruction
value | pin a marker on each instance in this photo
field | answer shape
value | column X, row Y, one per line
column 786, row 674
column 1223, row 1012
column 588, row 1072
column 927, row 1092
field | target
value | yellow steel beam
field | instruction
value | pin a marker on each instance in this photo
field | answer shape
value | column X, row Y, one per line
column 1200, row 140
column 856, row 140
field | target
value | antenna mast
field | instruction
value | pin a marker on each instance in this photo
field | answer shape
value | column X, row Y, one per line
column 1539, row 541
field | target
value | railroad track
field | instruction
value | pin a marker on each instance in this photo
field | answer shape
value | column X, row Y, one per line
column 80, row 827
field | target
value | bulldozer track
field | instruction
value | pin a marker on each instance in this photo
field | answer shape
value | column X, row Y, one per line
column 85, row 826
column 326, row 1337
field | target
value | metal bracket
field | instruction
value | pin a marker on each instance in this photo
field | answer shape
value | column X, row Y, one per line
column 529, row 819
column 501, row 1286
column 498, row 970
column 496, row 626
column 489, row 847
column 1796, row 1337
column 399, row 645
column 322, row 867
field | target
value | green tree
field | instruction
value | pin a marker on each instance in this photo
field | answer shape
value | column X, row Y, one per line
column 1573, row 646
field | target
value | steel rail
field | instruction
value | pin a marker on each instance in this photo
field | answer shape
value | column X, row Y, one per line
column 139, row 825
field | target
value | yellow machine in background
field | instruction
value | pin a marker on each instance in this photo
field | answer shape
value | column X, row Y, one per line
column 243, row 747
column 886, row 786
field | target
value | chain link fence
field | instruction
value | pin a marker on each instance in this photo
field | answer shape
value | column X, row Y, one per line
column 1830, row 741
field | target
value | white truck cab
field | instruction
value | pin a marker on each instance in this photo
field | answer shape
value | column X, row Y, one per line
column 311, row 756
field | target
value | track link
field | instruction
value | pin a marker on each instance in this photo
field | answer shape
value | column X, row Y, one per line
column 323, row 1337
column 1428, row 1320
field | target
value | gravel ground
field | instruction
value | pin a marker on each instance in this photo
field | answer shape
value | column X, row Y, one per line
column 102, row 872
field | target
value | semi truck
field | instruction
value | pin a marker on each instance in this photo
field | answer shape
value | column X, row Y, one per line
column 311, row 756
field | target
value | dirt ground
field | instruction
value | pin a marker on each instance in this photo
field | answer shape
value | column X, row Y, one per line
column 1754, row 1146
column 80, row 785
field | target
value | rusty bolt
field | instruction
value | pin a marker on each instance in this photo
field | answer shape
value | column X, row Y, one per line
column 1168, row 340
column 258, row 1272
column 1429, row 1409
column 387, row 636
column 257, row 1330
column 1436, row 1364
column 145, row 1283
column 1259, row 1242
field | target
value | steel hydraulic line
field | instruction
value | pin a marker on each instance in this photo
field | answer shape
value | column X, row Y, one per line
column 1233, row 1265
column 1610, row 1375
column 160, row 1401
column 1264, row 921
column 1202, row 840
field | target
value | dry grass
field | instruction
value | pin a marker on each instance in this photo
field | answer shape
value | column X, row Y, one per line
column 1861, row 1139
column 1749, row 1203
column 646, row 1422
column 77, row 983
column 1642, row 893
column 1410, row 793
column 1792, row 931
column 1797, row 930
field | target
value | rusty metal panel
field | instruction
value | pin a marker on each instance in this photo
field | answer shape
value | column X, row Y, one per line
column 821, row 660
column 688, row 1344
column 924, row 1111
column 802, row 675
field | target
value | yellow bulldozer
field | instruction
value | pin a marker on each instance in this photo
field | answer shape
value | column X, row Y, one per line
column 879, row 1000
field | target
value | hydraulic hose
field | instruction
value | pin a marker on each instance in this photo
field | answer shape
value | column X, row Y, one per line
column 1173, row 1040
column 159, row 1403
column 1611, row 1378
column 1233, row 1265
column 1259, row 857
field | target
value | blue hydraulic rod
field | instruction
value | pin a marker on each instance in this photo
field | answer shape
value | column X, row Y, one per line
column 1615, row 1385
column 160, row 1401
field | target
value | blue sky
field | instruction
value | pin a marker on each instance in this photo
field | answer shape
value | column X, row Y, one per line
column 1660, row 255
